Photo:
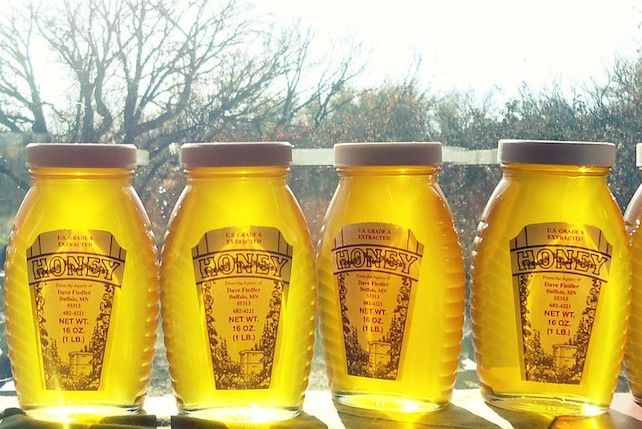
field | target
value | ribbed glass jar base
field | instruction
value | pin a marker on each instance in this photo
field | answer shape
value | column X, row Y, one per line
column 243, row 414
column 80, row 412
column 387, row 403
column 544, row 404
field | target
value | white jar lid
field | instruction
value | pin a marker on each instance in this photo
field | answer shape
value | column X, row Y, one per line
column 638, row 155
column 81, row 155
column 557, row 152
column 236, row 154
column 391, row 153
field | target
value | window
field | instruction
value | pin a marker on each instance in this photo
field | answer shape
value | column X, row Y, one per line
column 158, row 74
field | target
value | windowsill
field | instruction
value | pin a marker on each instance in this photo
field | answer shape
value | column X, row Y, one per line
column 468, row 410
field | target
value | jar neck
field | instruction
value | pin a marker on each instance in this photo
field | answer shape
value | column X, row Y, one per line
column 81, row 174
column 278, row 173
column 421, row 172
column 551, row 170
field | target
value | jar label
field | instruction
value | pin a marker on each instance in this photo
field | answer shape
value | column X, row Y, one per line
column 558, row 271
column 375, row 266
column 74, row 276
column 243, row 275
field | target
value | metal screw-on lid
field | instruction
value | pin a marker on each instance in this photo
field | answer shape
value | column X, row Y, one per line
column 596, row 154
column 393, row 153
column 81, row 155
column 236, row 154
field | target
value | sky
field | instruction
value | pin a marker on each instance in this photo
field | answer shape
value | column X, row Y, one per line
column 481, row 45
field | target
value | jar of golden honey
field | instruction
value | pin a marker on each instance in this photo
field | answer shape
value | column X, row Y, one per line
column 81, row 285
column 391, row 286
column 238, row 287
column 633, row 355
column 551, row 280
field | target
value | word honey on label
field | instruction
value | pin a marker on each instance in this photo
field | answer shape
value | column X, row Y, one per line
column 551, row 280
column 391, row 290
column 81, row 285
column 238, row 286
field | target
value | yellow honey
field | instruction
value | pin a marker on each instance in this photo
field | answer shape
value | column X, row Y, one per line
column 633, row 356
column 551, row 280
column 238, row 286
column 81, row 285
column 391, row 280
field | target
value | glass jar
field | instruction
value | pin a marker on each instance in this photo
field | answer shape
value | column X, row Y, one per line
column 238, row 286
column 551, row 280
column 391, row 280
column 81, row 285
column 633, row 356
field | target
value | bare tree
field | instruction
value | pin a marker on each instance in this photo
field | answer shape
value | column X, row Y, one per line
column 87, row 53
column 283, row 80
column 313, row 82
column 158, row 72
column 21, row 105
column 142, row 69
column 135, row 62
